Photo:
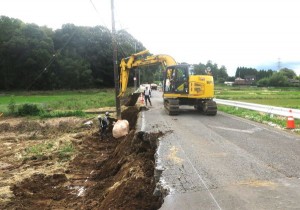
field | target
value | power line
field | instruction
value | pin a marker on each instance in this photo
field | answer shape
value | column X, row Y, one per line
column 97, row 11
column 52, row 59
column 122, row 51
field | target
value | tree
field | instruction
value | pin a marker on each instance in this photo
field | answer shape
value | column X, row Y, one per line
column 264, row 74
column 199, row 68
column 244, row 71
column 289, row 73
column 222, row 74
column 25, row 49
column 9, row 28
column 264, row 82
column 278, row 80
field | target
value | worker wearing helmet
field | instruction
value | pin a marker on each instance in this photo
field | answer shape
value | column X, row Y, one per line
column 104, row 122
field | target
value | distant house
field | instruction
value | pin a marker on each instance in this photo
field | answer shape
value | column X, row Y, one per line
column 295, row 82
column 239, row 81
column 249, row 80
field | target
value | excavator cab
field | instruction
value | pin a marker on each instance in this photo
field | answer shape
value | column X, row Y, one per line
column 176, row 79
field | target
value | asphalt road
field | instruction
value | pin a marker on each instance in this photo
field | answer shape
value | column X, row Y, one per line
column 223, row 162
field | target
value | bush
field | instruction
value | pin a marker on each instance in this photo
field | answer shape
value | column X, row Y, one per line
column 28, row 110
column 278, row 80
column 264, row 82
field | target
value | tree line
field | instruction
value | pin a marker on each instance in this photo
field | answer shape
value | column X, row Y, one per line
column 76, row 57
column 73, row 57
column 283, row 78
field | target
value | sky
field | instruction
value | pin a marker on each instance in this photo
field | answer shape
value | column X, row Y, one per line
column 261, row 34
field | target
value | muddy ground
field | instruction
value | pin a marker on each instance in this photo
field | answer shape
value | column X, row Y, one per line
column 63, row 164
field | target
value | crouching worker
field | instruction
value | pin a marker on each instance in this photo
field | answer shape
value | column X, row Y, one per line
column 103, row 122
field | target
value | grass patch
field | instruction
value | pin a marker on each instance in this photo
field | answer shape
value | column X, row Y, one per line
column 282, row 97
column 258, row 116
column 45, row 104
column 66, row 151
column 58, row 100
column 36, row 149
column 43, row 150
column 55, row 114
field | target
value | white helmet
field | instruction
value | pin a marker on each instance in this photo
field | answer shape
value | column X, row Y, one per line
column 106, row 113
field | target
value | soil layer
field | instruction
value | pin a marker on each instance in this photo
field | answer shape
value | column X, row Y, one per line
column 74, row 169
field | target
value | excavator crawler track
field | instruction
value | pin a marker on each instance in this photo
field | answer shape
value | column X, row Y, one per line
column 210, row 108
column 172, row 106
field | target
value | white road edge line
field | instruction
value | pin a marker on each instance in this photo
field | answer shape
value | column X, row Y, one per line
column 251, row 131
column 143, row 122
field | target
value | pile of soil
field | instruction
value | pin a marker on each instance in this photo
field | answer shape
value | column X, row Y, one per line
column 104, row 174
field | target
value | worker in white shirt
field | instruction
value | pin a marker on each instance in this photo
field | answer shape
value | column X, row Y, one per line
column 147, row 94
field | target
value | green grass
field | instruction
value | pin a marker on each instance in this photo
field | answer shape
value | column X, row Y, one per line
column 258, row 116
column 64, row 151
column 55, row 114
column 283, row 97
column 37, row 150
column 60, row 100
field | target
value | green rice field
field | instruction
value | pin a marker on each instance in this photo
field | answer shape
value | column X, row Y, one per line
column 59, row 100
column 282, row 97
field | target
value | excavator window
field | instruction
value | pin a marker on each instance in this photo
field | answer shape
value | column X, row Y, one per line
column 176, row 79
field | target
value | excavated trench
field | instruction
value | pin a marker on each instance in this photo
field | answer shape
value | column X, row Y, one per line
column 107, row 174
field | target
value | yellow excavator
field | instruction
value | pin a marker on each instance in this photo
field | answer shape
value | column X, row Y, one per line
column 180, row 85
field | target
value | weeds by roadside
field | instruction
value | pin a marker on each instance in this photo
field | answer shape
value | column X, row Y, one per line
column 258, row 116
column 34, row 110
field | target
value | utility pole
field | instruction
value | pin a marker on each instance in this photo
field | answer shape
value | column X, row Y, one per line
column 115, row 61
column 135, row 71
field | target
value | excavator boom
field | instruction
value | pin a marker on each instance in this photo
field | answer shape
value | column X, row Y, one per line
column 135, row 61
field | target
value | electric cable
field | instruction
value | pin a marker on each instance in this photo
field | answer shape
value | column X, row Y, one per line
column 52, row 59
column 105, row 25
column 97, row 11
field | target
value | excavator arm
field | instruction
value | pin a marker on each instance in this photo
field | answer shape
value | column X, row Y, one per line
column 135, row 61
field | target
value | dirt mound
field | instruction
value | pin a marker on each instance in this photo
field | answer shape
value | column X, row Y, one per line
column 131, row 169
column 107, row 174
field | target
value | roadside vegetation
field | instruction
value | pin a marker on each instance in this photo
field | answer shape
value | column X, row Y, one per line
column 281, row 97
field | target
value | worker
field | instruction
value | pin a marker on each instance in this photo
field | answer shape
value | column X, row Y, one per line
column 147, row 94
column 168, row 83
column 103, row 122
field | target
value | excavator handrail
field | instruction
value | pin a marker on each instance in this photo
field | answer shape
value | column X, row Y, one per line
column 132, row 62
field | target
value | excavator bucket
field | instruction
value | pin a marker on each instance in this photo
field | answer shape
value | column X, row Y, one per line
column 132, row 99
